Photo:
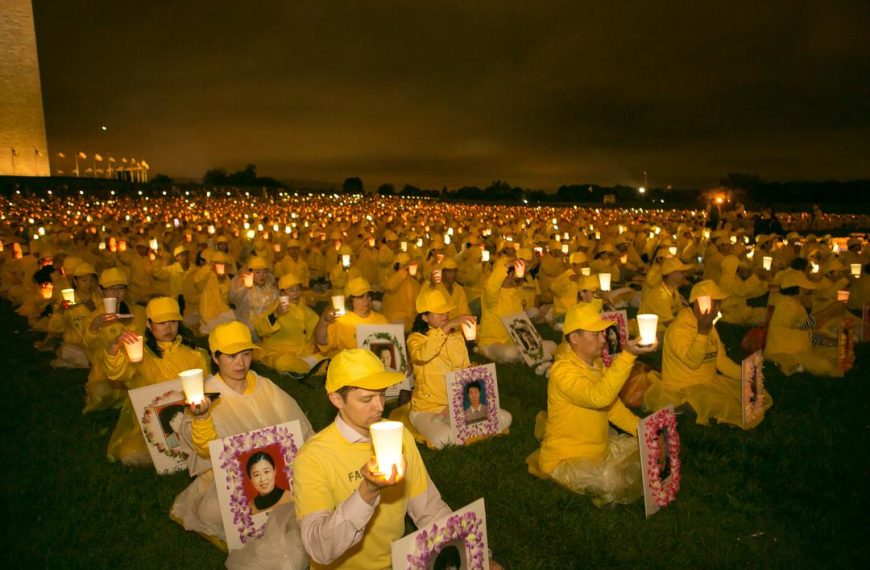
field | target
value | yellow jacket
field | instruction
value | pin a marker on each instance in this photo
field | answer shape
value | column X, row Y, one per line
column 339, row 276
column 433, row 355
column 690, row 358
column 783, row 334
column 215, row 298
column 497, row 302
column 298, row 268
column 565, row 292
column 400, row 296
column 291, row 333
column 582, row 401
column 341, row 335
column 458, row 298
column 663, row 302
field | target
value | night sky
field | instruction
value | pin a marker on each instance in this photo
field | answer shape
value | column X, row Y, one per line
column 445, row 92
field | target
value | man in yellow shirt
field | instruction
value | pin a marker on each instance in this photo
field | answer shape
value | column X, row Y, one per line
column 578, row 450
column 348, row 511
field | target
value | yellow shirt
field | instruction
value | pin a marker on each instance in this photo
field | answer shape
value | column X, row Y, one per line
column 292, row 333
column 433, row 355
column 457, row 298
column 326, row 473
column 497, row 302
column 341, row 335
column 215, row 298
column 783, row 334
column 663, row 302
column 400, row 296
column 690, row 358
column 582, row 401
column 565, row 292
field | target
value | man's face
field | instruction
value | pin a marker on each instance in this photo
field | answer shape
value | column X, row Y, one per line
column 474, row 396
column 361, row 408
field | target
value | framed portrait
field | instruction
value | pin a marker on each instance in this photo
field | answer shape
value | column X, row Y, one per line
column 659, row 444
column 525, row 337
column 616, row 335
column 253, row 475
column 752, row 386
column 387, row 342
column 846, row 345
column 455, row 541
column 159, row 409
column 473, row 403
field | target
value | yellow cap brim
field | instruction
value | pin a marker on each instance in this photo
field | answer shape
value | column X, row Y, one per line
column 166, row 317
column 237, row 347
column 596, row 326
column 373, row 382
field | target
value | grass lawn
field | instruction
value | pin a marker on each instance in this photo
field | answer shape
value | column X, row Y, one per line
column 791, row 493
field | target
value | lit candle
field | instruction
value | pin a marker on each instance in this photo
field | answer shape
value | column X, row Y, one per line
column 249, row 280
column 705, row 303
column 284, row 300
column 484, row 255
column 585, row 271
column 111, row 305
column 647, row 325
column 767, row 262
column 843, row 296
column 436, row 276
column 153, row 244
column 672, row 250
column 47, row 290
column 276, row 248
column 604, row 281
column 404, row 246
column 345, row 260
column 855, row 269
column 338, row 305
column 814, row 267
column 520, row 268
column 565, row 248
column 192, row 385
column 412, row 269
column 469, row 329
column 135, row 349
column 220, row 268
column 69, row 295
column 387, row 441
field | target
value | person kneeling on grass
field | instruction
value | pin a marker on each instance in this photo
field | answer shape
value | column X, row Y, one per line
column 348, row 511
column 579, row 450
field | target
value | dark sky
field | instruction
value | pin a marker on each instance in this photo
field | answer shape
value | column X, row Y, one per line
column 447, row 92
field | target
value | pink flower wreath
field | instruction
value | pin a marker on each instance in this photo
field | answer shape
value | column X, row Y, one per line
column 663, row 494
column 430, row 542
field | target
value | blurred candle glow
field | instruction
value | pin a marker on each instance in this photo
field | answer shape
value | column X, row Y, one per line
column 705, row 303
column 604, row 281
column 387, row 441
column 338, row 305
column 767, row 262
column 192, row 385
column 855, row 269
column 69, row 295
column 647, row 326
column 135, row 349
column 469, row 329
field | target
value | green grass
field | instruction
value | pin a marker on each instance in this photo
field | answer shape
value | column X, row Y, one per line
column 791, row 493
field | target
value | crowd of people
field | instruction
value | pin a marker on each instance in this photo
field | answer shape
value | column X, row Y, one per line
column 96, row 275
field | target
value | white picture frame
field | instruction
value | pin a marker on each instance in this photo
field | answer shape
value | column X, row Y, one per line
column 468, row 426
column 159, row 409
column 525, row 337
column 387, row 342
column 660, row 483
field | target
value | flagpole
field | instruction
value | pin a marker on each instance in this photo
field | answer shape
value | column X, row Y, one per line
column 12, row 150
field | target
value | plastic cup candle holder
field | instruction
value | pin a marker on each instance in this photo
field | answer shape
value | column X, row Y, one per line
column 705, row 303
column 647, row 326
column 387, row 441
column 520, row 269
column 338, row 305
column 484, row 255
column 345, row 260
column 469, row 329
column 249, row 280
column 192, row 385
column 47, row 290
column 403, row 246
column 69, row 295
column 604, row 281
column 153, row 244
column 565, row 248
column 135, row 349
column 220, row 268
column 111, row 305
column 672, row 250
column 585, row 271
column 412, row 269
column 814, row 267
column 284, row 300
column 855, row 269
column 767, row 262
column 843, row 296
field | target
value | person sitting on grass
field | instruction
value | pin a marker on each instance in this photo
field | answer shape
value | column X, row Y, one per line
column 578, row 449
column 333, row 332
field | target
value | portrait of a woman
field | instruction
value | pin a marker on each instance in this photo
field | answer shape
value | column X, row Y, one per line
column 261, row 472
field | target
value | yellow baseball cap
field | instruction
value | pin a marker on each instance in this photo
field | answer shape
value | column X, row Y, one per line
column 83, row 269
column 672, row 264
column 163, row 309
column 797, row 279
column 357, row 287
column 448, row 264
column 585, row 316
column 111, row 277
column 219, row 257
column 433, row 301
column 578, row 257
column 706, row 288
column 257, row 262
column 359, row 368
column 289, row 280
column 178, row 250
column 231, row 338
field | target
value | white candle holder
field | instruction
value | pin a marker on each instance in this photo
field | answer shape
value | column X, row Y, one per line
column 436, row 276
column 672, row 250
column 705, row 304
column 69, row 295
column 47, row 291
column 387, row 441
column 136, row 349
column 484, row 255
column 154, row 244
column 284, row 300
column 345, row 260
column 469, row 329
column 767, row 262
column 220, row 268
column 192, row 385
column 585, row 271
column 843, row 296
column 249, row 280
column 111, row 305
column 565, row 248
column 412, row 269
column 338, row 305
column 855, row 269
column 604, row 281
column 520, row 268
column 647, row 325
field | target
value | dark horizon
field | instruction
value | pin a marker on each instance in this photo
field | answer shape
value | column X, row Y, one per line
column 460, row 94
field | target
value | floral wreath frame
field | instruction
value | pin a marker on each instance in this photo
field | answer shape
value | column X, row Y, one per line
column 479, row 430
column 148, row 419
column 752, row 410
column 537, row 355
column 662, row 493
column 619, row 317
column 431, row 541
column 233, row 448
column 391, row 338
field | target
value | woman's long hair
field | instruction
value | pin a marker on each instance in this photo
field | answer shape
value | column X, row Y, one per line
column 420, row 326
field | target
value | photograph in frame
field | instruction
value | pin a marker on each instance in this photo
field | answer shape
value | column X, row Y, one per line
column 752, row 387
column 473, row 403
column 253, row 475
column 615, row 335
column 525, row 337
column 458, row 540
column 159, row 409
column 659, row 444
column 387, row 342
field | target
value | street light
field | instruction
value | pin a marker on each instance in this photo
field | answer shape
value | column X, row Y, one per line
column 642, row 190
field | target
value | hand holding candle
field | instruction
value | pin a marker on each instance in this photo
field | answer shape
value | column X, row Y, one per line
column 249, row 280
column 135, row 347
column 192, row 385
column 338, row 305
column 647, row 324
column 387, row 442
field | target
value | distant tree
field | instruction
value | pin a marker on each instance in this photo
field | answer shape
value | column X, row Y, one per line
column 246, row 177
column 215, row 177
column 386, row 189
column 410, row 190
column 353, row 185
column 161, row 180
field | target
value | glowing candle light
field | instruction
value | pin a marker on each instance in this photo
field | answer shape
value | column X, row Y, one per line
column 387, row 441
column 604, row 281
column 647, row 325
column 705, row 303
column 345, row 260
column 338, row 305
column 436, row 276
column 672, row 250
column 412, row 269
column 69, row 295
column 565, row 248
column 46, row 290
column 192, row 385
column 220, row 268
column 484, row 255
column 855, row 269
column 403, row 246
column 767, row 262
column 111, row 305
column 843, row 296
column 520, row 268
column 153, row 244
column 585, row 271
column 135, row 349
column 469, row 329
column 248, row 279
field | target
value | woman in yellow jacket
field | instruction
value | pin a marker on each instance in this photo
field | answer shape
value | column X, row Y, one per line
column 791, row 342
column 734, row 307
column 287, row 330
column 400, row 292
column 247, row 402
column 103, row 328
column 338, row 332
column 214, row 303
column 70, row 319
column 436, row 347
column 579, row 450
column 695, row 368
column 166, row 354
